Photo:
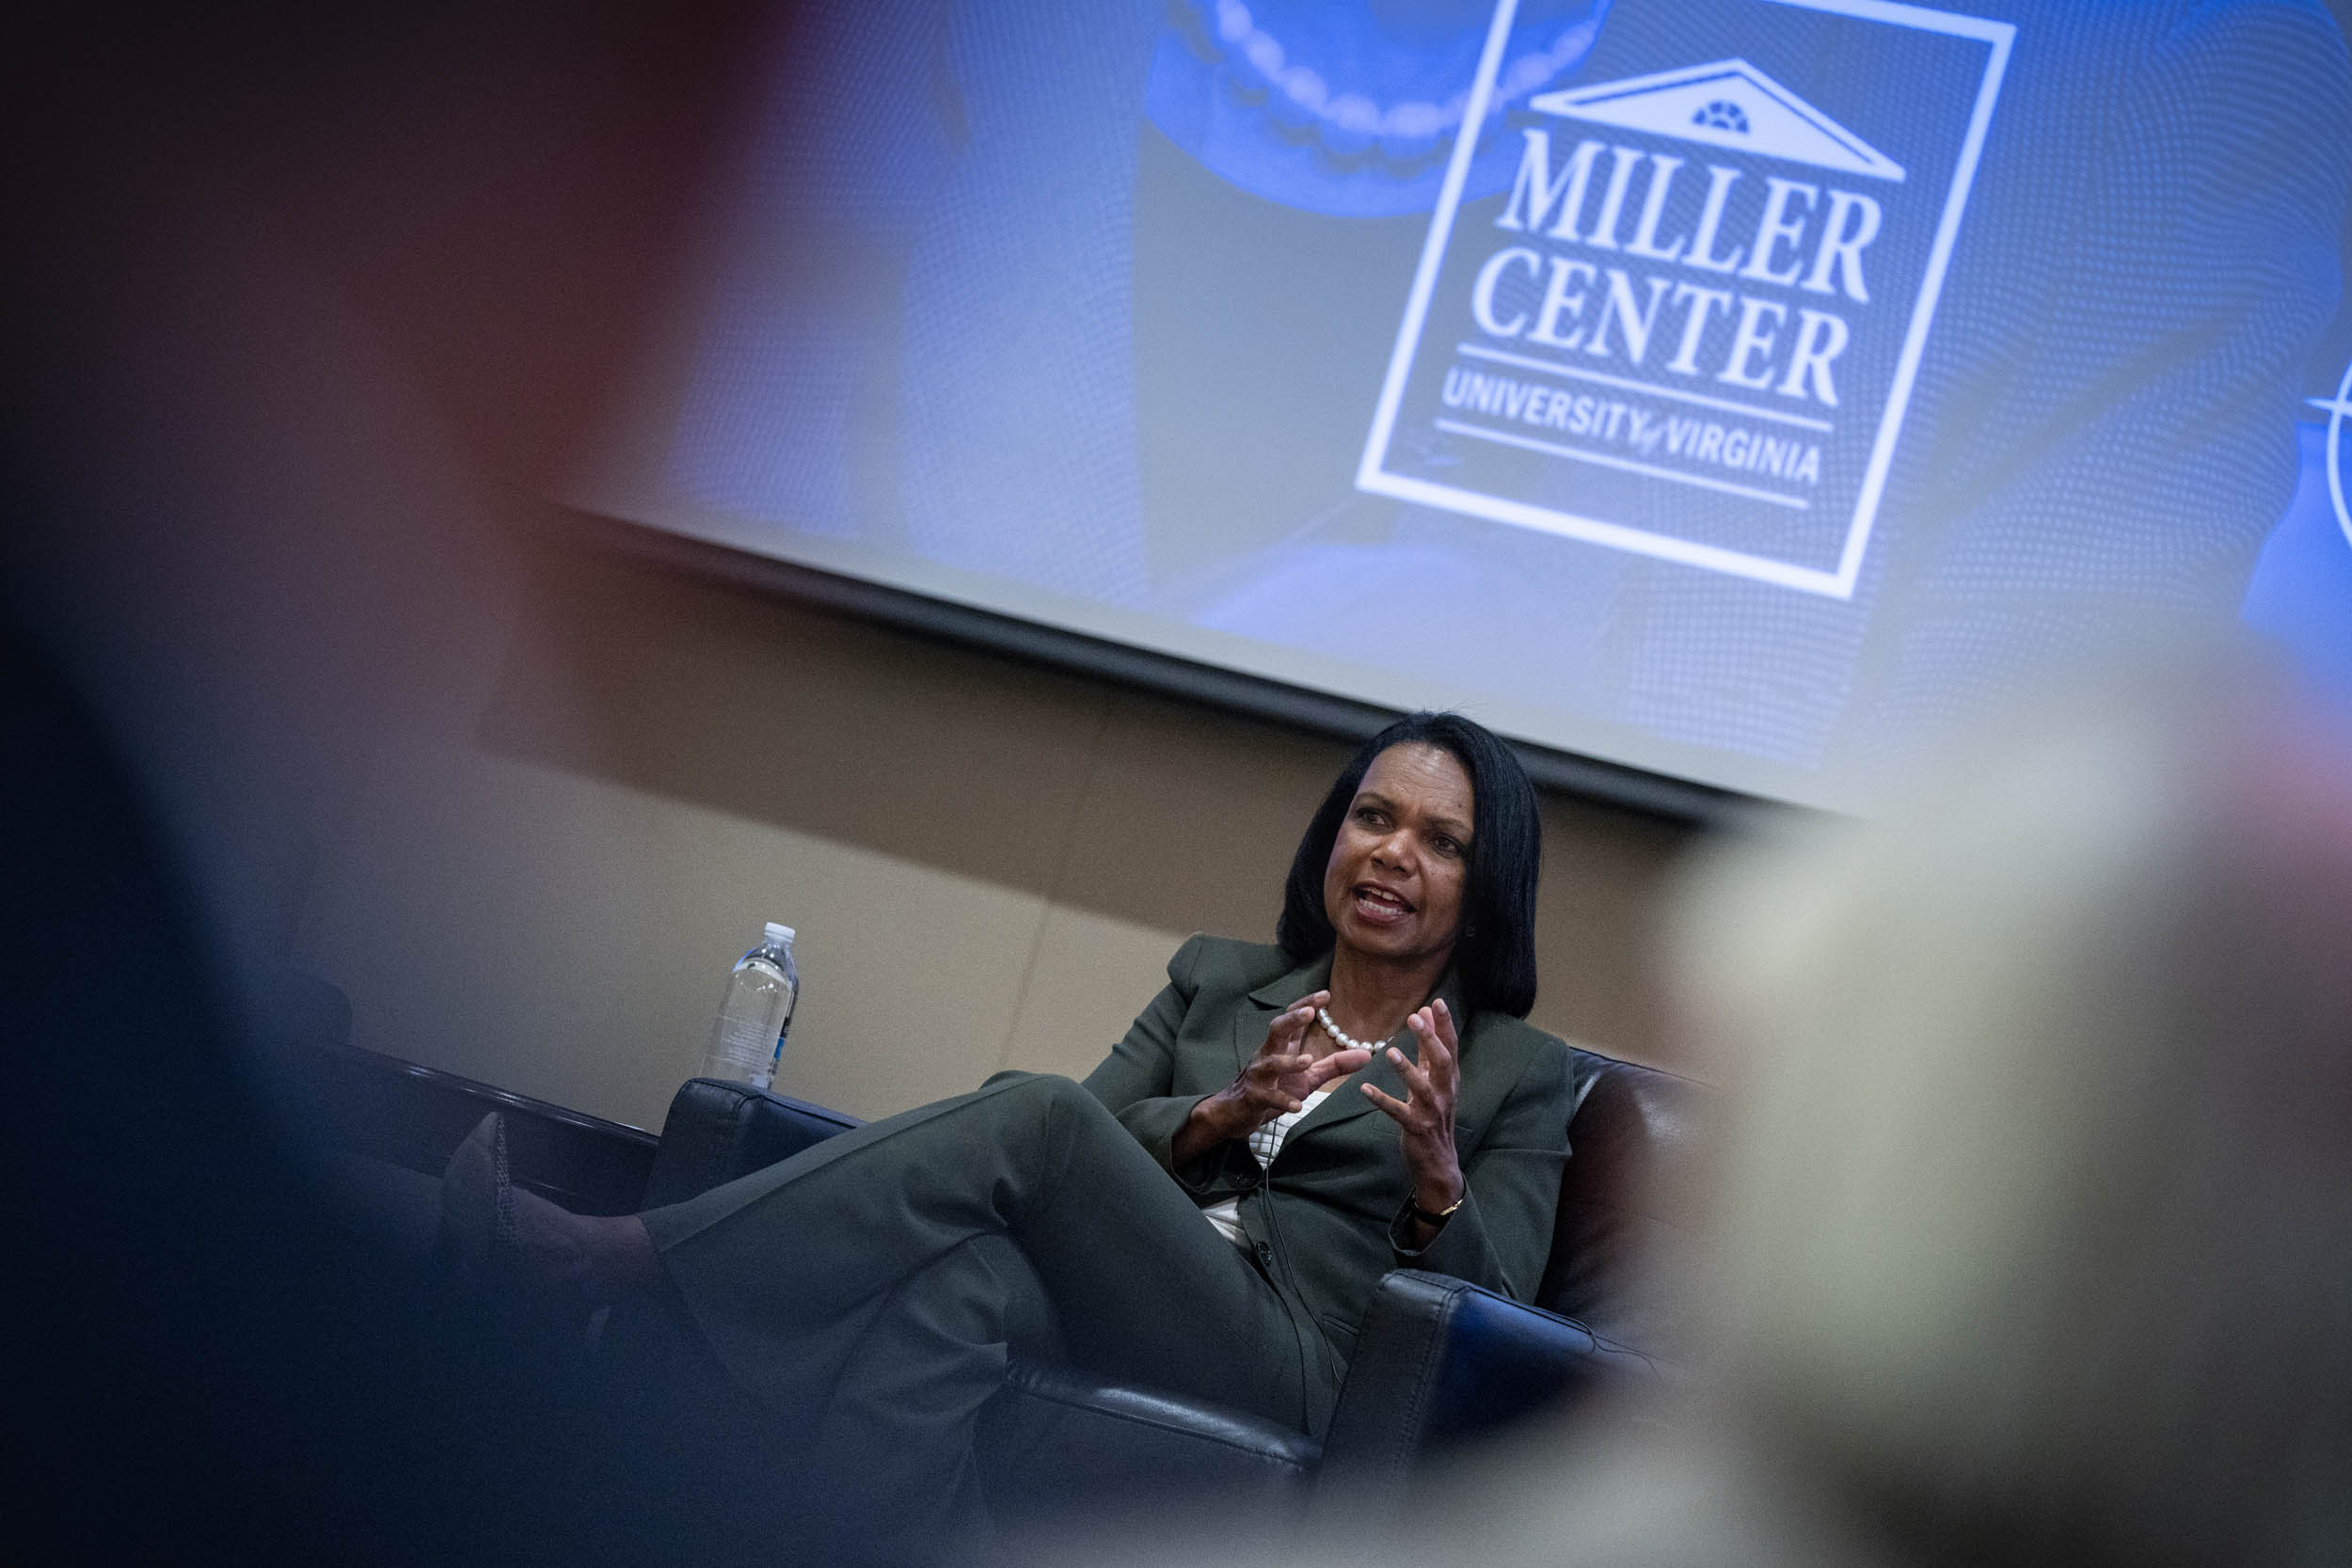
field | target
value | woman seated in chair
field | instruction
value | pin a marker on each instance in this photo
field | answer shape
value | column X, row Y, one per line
column 1208, row 1212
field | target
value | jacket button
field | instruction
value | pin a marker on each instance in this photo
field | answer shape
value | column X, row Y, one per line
column 1265, row 1254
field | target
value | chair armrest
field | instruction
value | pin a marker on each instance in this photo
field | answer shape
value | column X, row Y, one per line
column 717, row 1130
column 1439, row 1360
column 1057, row 1443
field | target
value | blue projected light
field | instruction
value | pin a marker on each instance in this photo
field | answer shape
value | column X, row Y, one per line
column 2338, row 411
column 1741, row 390
column 2302, row 591
column 1348, row 110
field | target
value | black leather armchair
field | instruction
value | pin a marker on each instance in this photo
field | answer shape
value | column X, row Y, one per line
column 1437, row 1361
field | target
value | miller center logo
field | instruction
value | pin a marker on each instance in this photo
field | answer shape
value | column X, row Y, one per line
column 1691, row 327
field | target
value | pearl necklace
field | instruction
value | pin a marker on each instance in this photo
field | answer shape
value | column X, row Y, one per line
column 1346, row 1041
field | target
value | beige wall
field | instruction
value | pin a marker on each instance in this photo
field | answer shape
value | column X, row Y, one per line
column 988, row 862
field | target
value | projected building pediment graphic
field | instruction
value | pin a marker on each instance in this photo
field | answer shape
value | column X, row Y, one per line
column 1730, row 104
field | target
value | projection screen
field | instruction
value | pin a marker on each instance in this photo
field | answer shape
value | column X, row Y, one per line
column 1733, row 390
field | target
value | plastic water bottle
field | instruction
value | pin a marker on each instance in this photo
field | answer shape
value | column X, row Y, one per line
column 747, row 1042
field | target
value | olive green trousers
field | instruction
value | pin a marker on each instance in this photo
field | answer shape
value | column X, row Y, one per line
column 870, row 1289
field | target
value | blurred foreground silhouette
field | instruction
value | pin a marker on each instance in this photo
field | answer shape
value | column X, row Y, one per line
column 296, row 306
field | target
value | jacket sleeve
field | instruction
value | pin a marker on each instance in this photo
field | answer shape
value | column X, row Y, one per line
column 1135, row 1080
column 1501, row 1234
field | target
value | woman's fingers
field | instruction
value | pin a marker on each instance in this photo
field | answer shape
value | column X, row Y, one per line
column 1449, row 1044
column 1414, row 1113
column 1436, row 1050
column 1424, row 1031
column 1337, row 1065
column 1416, row 1078
column 1271, row 1069
column 1432, row 1026
column 1291, row 1026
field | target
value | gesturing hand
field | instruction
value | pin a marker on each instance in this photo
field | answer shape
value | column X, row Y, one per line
column 1425, row 1118
column 1277, row 1081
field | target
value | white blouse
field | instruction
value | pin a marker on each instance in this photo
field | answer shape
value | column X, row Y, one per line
column 1265, row 1143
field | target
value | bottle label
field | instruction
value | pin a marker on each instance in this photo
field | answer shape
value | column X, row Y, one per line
column 741, row 1042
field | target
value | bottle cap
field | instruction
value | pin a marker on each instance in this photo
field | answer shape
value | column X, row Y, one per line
column 778, row 936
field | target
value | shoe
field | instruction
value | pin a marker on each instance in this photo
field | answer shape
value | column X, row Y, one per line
column 476, row 1245
column 502, row 1253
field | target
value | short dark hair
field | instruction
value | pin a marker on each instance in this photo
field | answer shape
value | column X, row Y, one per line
column 1494, row 954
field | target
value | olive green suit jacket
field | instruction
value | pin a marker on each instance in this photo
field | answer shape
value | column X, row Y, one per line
column 1327, row 1220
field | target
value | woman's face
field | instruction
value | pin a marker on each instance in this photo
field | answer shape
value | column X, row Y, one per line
column 1394, row 887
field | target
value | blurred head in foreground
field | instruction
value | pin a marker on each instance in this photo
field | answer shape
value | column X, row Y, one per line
column 2036, row 1235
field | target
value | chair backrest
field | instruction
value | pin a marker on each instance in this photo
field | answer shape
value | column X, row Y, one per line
column 1634, row 1129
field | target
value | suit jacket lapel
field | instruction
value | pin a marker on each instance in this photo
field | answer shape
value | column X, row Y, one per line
column 1249, row 1023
